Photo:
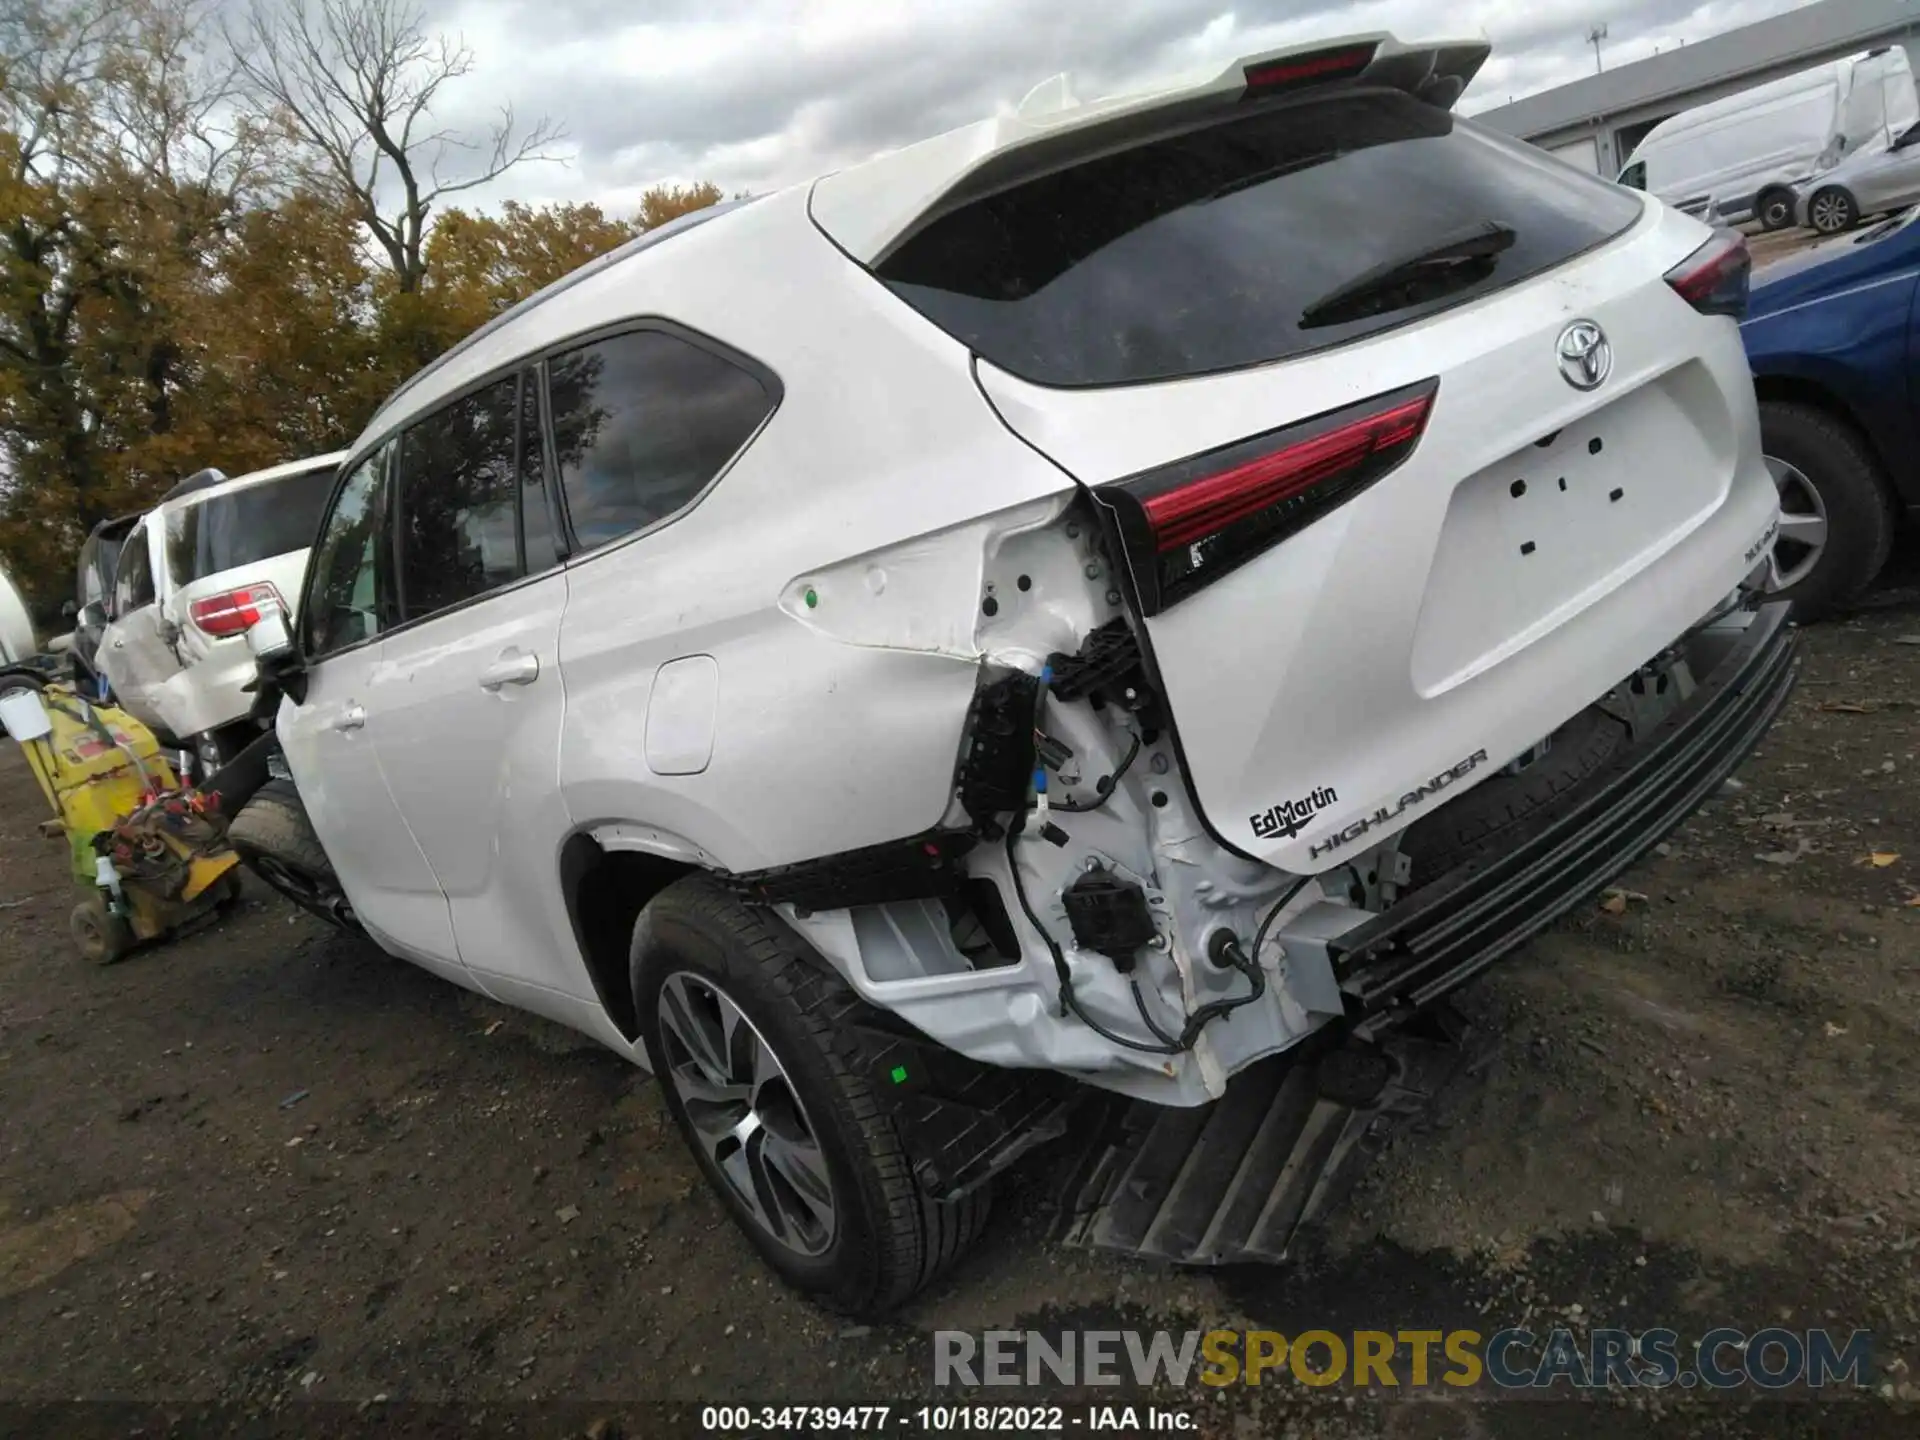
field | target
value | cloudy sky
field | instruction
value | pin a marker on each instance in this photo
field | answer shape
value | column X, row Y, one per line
column 754, row 94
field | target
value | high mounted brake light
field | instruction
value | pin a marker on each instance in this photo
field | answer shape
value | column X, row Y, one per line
column 1714, row 278
column 1185, row 525
column 234, row 612
column 1317, row 68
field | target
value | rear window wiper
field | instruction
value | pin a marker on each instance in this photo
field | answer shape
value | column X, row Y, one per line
column 1460, row 258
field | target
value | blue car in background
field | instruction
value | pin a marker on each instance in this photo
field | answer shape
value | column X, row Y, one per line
column 1833, row 336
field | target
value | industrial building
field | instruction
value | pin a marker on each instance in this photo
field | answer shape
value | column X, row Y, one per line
column 1595, row 122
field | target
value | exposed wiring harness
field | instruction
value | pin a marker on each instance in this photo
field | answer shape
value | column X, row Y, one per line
column 1223, row 948
column 1226, row 950
column 1105, row 786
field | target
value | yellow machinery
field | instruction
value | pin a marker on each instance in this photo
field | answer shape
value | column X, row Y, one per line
column 147, row 852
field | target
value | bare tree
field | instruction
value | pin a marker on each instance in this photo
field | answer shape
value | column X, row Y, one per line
column 354, row 83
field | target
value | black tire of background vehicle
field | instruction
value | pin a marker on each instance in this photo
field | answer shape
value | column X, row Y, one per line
column 891, row 1240
column 1833, row 210
column 273, row 827
column 102, row 936
column 1774, row 209
column 1837, row 462
column 1496, row 812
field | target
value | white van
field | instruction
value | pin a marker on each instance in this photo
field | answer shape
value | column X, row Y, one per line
column 1741, row 156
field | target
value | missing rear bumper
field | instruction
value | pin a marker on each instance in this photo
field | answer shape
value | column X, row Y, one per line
column 1446, row 932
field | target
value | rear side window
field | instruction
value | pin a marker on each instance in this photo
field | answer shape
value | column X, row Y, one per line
column 641, row 425
column 1208, row 250
column 458, row 493
column 244, row 527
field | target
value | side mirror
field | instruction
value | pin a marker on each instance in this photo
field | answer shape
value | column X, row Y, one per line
column 93, row 616
column 23, row 715
column 68, row 609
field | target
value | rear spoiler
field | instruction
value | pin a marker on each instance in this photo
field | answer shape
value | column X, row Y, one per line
column 874, row 208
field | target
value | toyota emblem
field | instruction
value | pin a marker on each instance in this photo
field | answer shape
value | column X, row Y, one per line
column 1586, row 359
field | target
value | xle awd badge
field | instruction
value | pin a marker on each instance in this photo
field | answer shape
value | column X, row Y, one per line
column 1586, row 359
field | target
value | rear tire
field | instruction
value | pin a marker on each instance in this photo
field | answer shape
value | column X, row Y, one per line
column 698, row 950
column 1832, row 211
column 1812, row 450
column 1774, row 209
column 275, row 840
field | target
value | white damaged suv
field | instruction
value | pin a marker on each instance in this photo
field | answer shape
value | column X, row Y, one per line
column 1117, row 600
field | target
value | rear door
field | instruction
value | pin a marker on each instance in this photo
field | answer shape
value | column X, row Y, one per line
column 467, row 702
column 1386, row 526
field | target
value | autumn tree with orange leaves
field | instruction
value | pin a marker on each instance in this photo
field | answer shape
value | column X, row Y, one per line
column 182, row 281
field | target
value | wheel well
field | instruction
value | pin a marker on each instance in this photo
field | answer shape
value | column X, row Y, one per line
column 605, row 892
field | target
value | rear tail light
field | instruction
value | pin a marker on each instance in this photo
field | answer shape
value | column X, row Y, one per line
column 234, row 612
column 1185, row 525
column 1319, row 67
column 1713, row 279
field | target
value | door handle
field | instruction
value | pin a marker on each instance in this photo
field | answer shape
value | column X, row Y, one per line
column 353, row 717
column 513, row 668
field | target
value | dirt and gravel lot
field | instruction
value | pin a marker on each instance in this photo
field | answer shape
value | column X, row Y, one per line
column 266, row 1168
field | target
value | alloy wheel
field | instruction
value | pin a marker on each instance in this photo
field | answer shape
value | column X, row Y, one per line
column 746, row 1113
column 1803, row 525
column 1831, row 212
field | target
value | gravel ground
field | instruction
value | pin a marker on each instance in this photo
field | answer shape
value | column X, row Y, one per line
column 265, row 1168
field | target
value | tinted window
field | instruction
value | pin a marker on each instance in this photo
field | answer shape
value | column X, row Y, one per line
column 457, row 483
column 641, row 424
column 1204, row 251
column 133, row 581
column 243, row 527
column 349, row 578
column 1635, row 175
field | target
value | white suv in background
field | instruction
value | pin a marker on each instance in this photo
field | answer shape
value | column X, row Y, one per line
column 193, row 575
column 1111, row 600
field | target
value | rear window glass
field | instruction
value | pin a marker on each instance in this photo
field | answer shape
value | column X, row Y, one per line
column 246, row 526
column 1204, row 251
